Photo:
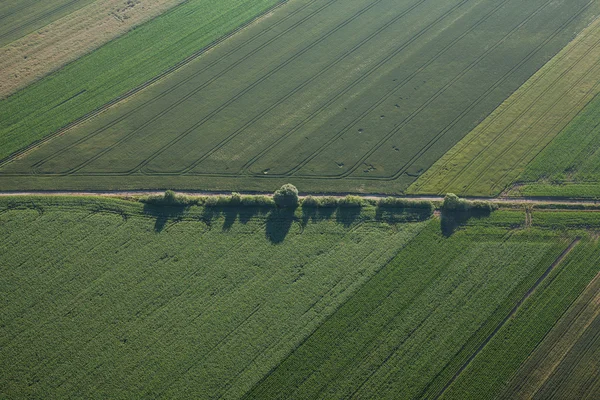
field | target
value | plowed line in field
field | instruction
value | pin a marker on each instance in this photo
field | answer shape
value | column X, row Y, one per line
column 358, row 81
column 415, row 113
column 162, row 75
column 461, row 75
column 517, row 97
column 301, row 86
column 254, row 85
column 39, row 18
column 200, row 71
column 511, row 314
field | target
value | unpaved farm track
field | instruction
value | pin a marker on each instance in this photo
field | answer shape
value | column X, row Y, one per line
column 137, row 193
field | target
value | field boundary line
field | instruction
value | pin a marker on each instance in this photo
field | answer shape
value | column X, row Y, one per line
column 256, row 83
column 303, row 85
column 508, row 104
column 410, row 41
column 548, row 110
column 461, row 75
column 183, row 82
column 512, row 313
column 144, row 85
column 420, row 108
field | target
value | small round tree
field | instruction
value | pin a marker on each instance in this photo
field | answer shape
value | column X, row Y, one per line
column 286, row 196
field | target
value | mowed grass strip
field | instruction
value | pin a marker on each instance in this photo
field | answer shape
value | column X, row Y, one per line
column 39, row 53
column 118, row 67
column 19, row 17
column 107, row 298
column 570, row 165
column 305, row 95
column 565, row 345
column 488, row 375
column 401, row 334
column 495, row 153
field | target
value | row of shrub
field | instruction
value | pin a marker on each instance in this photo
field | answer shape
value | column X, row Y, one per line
column 453, row 203
column 286, row 197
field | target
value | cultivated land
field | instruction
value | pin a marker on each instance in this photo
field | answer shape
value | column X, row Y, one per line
column 19, row 17
column 28, row 59
column 334, row 96
column 111, row 298
column 495, row 153
column 566, row 362
column 570, row 165
column 118, row 67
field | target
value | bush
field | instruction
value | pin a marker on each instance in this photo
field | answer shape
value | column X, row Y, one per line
column 310, row 201
column 351, row 201
column 170, row 198
column 454, row 203
column 393, row 202
column 286, row 196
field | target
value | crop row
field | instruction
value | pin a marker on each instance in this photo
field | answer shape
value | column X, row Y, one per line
column 496, row 152
column 492, row 369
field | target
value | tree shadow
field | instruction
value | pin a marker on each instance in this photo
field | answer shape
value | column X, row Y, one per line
column 347, row 215
column 279, row 222
column 164, row 214
column 394, row 215
column 451, row 221
column 316, row 214
column 231, row 214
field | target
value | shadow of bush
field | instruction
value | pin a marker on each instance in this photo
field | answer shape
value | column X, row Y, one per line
column 278, row 224
column 451, row 221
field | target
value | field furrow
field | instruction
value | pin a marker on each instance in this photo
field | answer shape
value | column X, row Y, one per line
column 354, row 95
column 493, row 155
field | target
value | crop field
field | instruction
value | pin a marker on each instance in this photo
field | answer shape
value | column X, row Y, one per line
column 122, row 65
column 489, row 374
column 113, row 298
column 352, row 96
column 107, row 299
column 570, row 165
column 39, row 53
column 566, row 362
column 19, row 17
column 494, row 154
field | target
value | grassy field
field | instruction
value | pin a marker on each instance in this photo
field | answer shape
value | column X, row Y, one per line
column 19, row 17
column 566, row 362
column 118, row 67
column 112, row 298
column 570, row 165
column 39, row 53
column 332, row 96
column 495, row 153
column 490, row 373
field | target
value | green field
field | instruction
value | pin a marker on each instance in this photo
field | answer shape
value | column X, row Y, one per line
column 333, row 96
column 490, row 373
column 567, row 352
column 118, row 67
column 494, row 154
column 20, row 17
column 570, row 165
column 112, row 298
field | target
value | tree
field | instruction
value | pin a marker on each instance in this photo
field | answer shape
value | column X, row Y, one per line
column 286, row 196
